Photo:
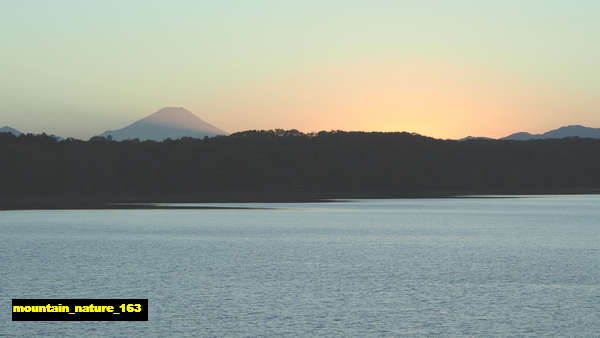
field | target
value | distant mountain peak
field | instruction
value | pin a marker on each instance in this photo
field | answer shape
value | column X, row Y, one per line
column 575, row 130
column 171, row 112
column 7, row 129
column 574, row 127
column 179, row 117
column 168, row 122
column 475, row 138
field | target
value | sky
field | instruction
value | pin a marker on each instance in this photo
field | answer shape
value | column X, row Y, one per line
column 446, row 69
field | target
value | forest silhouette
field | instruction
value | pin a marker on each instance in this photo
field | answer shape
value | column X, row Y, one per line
column 289, row 165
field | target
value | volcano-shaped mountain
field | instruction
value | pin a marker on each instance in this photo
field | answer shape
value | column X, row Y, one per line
column 169, row 122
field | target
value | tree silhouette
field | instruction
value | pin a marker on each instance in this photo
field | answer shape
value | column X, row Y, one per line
column 333, row 164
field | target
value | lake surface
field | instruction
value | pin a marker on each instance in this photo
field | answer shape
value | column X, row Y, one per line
column 473, row 266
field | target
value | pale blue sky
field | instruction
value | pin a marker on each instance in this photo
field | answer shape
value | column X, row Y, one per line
column 77, row 68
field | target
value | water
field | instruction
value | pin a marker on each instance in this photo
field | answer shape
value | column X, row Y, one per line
column 485, row 266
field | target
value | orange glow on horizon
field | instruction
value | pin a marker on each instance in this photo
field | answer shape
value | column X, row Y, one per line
column 442, row 101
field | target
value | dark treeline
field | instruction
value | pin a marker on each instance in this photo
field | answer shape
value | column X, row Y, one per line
column 332, row 164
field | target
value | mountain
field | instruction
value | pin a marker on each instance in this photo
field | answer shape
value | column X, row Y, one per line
column 568, row 131
column 475, row 138
column 7, row 129
column 169, row 122
column 521, row 136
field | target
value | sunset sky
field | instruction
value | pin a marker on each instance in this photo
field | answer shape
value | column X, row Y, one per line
column 446, row 69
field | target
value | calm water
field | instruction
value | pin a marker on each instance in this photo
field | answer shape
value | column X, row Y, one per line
column 516, row 266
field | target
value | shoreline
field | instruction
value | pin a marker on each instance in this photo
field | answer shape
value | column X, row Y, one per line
column 153, row 201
